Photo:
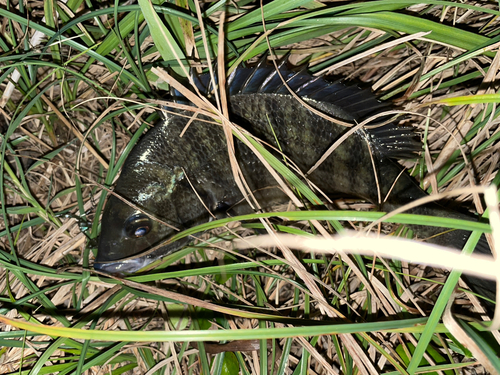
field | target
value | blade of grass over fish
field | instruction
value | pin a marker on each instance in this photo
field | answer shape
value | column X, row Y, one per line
column 477, row 265
column 167, row 45
column 343, row 215
column 286, row 173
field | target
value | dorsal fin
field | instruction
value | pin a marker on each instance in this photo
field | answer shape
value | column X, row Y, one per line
column 390, row 140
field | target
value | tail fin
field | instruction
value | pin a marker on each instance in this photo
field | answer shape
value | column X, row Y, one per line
column 483, row 287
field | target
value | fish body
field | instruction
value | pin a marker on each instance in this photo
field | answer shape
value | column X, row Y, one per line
column 179, row 179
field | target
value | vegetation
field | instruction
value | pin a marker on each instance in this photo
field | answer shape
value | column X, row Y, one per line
column 78, row 82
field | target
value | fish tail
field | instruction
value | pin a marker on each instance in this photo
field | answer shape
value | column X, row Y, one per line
column 483, row 287
column 456, row 239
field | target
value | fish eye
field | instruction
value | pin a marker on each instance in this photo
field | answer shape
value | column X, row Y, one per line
column 138, row 226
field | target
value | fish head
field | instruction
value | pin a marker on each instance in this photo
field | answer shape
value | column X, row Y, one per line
column 141, row 218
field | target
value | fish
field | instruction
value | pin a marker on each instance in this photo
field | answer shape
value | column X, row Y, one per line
column 183, row 181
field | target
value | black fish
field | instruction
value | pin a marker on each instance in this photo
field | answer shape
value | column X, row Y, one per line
column 154, row 175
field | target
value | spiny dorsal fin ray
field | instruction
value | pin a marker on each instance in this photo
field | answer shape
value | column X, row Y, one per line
column 389, row 140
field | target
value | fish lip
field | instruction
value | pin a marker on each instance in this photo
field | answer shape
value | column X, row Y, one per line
column 122, row 268
column 127, row 266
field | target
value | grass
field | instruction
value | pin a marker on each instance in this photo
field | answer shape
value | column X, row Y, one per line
column 80, row 103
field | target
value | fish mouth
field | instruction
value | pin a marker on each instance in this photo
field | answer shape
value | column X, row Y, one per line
column 122, row 268
column 112, row 259
column 125, row 266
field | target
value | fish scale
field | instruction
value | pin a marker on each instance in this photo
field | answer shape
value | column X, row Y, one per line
column 179, row 179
